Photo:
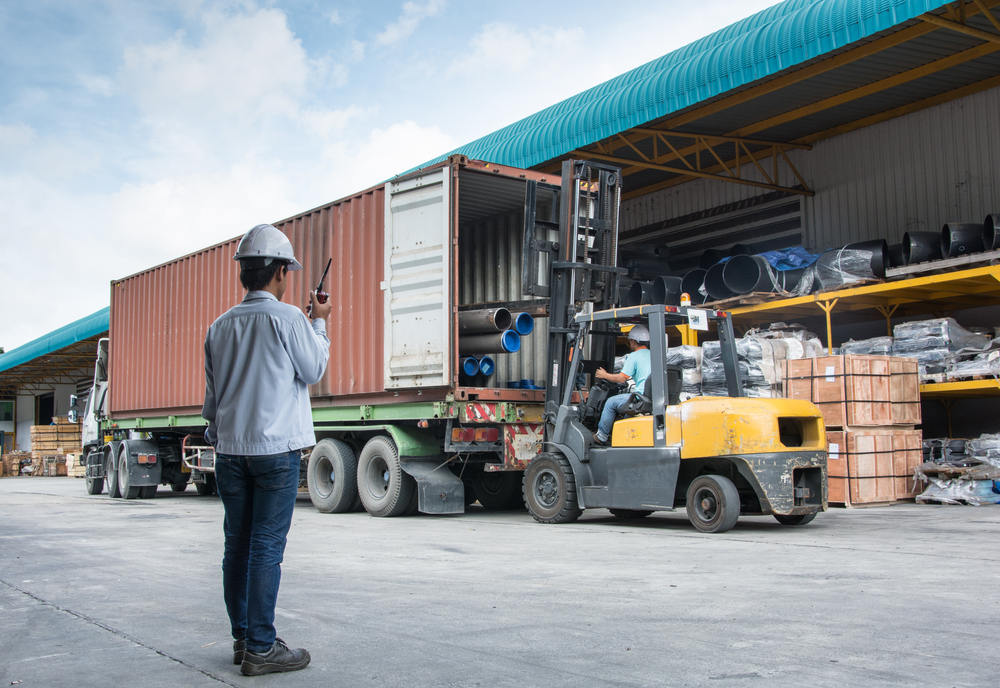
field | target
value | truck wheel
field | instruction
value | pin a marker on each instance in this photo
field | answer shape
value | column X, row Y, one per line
column 178, row 487
column 384, row 487
column 147, row 492
column 550, row 489
column 111, row 473
column 499, row 491
column 332, row 477
column 713, row 503
column 207, row 487
column 630, row 513
column 124, row 479
column 95, row 486
column 799, row 520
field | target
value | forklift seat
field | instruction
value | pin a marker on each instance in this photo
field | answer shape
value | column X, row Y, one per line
column 642, row 404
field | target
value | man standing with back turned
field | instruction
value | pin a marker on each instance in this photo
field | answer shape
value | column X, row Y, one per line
column 260, row 358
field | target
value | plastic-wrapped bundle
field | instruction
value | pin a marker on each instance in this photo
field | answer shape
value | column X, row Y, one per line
column 750, row 355
column 985, row 445
column 980, row 364
column 688, row 359
column 876, row 346
column 839, row 268
column 944, row 333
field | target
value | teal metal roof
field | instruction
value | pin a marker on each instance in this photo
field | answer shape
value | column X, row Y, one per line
column 759, row 46
column 84, row 328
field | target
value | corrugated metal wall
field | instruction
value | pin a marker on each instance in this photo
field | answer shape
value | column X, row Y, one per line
column 159, row 317
column 914, row 172
column 490, row 270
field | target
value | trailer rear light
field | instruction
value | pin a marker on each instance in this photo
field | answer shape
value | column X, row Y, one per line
column 487, row 435
column 147, row 458
column 463, row 435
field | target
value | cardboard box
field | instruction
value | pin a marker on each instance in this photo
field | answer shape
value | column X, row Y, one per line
column 873, row 465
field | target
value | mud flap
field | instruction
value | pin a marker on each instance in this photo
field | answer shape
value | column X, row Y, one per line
column 439, row 491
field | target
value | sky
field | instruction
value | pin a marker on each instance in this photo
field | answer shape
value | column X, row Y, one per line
column 134, row 132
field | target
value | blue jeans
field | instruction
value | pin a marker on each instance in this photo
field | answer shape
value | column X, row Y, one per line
column 609, row 414
column 258, row 493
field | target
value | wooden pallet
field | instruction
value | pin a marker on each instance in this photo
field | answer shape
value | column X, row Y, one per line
column 944, row 265
column 751, row 299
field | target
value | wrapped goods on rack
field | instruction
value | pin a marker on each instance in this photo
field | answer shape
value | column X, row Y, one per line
column 688, row 359
column 934, row 342
column 853, row 264
column 973, row 480
column 751, row 364
column 986, row 364
column 876, row 346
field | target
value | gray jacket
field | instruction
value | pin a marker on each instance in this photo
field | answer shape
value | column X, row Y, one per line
column 260, row 358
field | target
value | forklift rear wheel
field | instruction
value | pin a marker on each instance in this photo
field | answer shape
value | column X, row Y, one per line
column 111, row 476
column 499, row 491
column 550, row 489
column 799, row 520
column 384, row 487
column 206, row 488
column 713, row 503
column 629, row 513
column 332, row 476
column 95, row 486
column 147, row 492
column 178, row 487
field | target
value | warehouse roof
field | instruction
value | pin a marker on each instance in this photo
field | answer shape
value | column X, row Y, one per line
column 792, row 74
column 64, row 353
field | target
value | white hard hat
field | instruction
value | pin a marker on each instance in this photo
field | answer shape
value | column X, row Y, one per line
column 639, row 333
column 269, row 242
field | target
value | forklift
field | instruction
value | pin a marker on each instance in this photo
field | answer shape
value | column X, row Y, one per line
column 716, row 457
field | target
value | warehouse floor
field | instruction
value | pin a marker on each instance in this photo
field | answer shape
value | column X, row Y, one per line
column 100, row 592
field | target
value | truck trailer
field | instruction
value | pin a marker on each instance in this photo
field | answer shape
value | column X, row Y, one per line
column 401, row 423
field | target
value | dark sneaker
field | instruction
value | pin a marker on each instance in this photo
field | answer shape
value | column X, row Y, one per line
column 278, row 658
column 239, row 647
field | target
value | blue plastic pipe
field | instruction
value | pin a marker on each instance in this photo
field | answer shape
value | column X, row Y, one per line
column 470, row 366
column 524, row 323
column 487, row 366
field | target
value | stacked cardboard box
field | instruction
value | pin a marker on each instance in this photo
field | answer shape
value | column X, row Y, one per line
column 870, row 406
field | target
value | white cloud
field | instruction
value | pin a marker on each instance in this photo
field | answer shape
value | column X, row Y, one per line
column 335, row 18
column 15, row 136
column 408, row 21
column 357, row 52
column 505, row 48
column 101, row 85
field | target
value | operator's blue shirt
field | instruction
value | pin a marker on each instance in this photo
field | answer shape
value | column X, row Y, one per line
column 638, row 366
column 260, row 358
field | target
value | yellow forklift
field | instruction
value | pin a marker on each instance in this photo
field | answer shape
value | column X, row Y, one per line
column 717, row 457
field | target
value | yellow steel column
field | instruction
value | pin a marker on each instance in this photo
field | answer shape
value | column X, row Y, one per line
column 827, row 306
column 887, row 312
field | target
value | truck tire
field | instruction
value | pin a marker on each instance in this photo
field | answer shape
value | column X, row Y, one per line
column 799, row 520
column 95, row 486
column 111, row 476
column 385, row 489
column 147, row 492
column 125, row 487
column 178, row 487
column 630, row 513
column 499, row 491
column 332, row 476
column 207, row 487
column 550, row 489
column 713, row 503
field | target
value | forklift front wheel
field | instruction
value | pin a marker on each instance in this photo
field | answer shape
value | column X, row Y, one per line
column 713, row 504
column 550, row 489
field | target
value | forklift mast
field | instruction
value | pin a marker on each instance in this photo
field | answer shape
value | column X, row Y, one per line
column 583, row 276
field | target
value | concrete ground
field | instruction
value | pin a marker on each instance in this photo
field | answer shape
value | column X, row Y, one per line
column 101, row 592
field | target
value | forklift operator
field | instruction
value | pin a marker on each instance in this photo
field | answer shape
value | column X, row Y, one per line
column 637, row 367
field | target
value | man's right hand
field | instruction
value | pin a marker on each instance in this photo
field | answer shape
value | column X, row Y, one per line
column 319, row 311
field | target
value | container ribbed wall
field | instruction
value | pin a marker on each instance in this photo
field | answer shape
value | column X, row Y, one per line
column 159, row 317
column 490, row 270
column 914, row 172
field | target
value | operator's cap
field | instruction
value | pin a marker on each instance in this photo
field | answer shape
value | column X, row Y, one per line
column 267, row 242
column 639, row 333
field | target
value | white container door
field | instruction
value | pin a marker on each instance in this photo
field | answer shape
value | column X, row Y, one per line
column 418, row 282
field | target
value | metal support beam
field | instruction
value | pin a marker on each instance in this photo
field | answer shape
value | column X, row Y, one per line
column 961, row 28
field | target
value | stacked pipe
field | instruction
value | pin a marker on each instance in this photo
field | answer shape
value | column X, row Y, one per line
column 490, row 331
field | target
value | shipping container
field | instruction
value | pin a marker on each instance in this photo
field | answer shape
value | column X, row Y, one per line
column 407, row 256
